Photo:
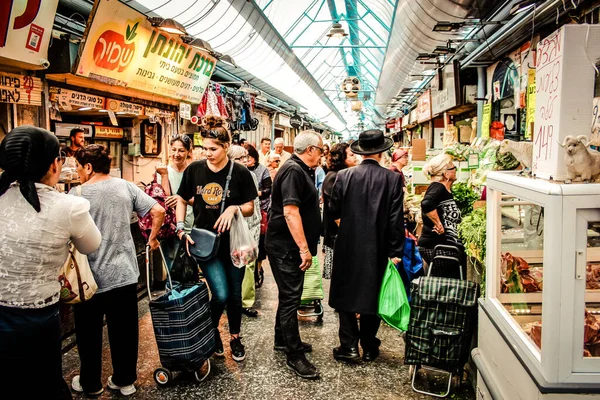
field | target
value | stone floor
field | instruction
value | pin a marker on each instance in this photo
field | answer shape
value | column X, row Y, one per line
column 263, row 375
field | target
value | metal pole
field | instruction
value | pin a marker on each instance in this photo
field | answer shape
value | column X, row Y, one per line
column 481, row 92
column 273, row 131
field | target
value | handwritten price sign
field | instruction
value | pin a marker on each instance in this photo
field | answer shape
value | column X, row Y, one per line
column 548, row 80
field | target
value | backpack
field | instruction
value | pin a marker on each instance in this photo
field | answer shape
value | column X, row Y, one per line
column 169, row 227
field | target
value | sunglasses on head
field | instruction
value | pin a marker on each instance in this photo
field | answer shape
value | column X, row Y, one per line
column 210, row 134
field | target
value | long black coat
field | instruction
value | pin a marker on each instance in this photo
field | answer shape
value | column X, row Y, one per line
column 369, row 200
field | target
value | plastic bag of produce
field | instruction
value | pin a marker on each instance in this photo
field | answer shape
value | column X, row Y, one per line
column 393, row 304
column 243, row 247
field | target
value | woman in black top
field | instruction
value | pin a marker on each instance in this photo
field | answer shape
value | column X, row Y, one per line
column 340, row 157
column 440, row 213
column 204, row 182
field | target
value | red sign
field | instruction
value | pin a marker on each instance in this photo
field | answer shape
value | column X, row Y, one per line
column 391, row 124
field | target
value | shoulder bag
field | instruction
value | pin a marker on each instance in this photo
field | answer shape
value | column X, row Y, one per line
column 77, row 283
column 206, row 242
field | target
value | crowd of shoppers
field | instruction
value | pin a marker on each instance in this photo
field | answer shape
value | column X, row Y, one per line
column 275, row 191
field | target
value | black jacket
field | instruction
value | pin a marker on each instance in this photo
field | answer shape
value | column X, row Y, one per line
column 369, row 200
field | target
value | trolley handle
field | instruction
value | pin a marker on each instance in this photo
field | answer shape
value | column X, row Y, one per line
column 455, row 259
column 170, row 286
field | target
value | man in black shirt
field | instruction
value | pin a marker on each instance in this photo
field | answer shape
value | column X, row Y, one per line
column 77, row 141
column 292, row 237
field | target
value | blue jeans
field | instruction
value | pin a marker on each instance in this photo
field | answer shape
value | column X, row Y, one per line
column 225, row 282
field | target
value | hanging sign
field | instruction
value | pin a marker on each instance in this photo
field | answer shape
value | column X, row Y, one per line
column 530, row 117
column 447, row 97
column 70, row 99
column 108, row 132
column 185, row 110
column 296, row 121
column 486, row 121
column 124, row 107
column 20, row 89
column 424, row 107
column 122, row 48
column 158, row 113
column 283, row 120
column 25, row 31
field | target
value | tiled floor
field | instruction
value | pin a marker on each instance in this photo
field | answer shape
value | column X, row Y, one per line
column 263, row 375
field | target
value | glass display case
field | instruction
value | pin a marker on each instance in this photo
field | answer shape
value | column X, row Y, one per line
column 540, row 319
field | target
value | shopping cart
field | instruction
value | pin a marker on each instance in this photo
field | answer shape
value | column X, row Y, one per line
column 182, row 327
column 442, row 319
column 312, row 292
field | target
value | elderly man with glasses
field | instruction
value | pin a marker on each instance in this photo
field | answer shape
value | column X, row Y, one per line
column 291, row 242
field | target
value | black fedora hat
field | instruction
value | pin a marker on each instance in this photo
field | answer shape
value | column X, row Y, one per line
column 370, row 142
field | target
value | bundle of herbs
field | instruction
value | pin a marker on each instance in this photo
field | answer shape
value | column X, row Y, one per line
column 464, row 196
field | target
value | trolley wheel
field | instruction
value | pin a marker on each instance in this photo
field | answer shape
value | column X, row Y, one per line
column 320, row 319
column 162, row 376
column 200, row 377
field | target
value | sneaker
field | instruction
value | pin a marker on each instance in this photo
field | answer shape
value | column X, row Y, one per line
column 125, row 390
column 237, row 350
column 76, row 386
column 219, row 352
column 250, row 312
column 303, row 368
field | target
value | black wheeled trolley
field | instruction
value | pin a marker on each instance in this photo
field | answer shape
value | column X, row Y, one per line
column 183, row 328
column 442, row 318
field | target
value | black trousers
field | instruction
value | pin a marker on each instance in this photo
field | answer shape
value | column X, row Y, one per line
column 290, row 280
column 120, row 308
column 30, row 353
column 350, row 332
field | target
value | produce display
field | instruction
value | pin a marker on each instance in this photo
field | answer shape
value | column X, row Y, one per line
column 592, row 279
column 518, row 276
column 464, row 196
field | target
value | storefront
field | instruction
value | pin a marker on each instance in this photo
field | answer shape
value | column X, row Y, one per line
column 23, row 51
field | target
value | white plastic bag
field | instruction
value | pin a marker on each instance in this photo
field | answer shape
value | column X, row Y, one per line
column 243, row 247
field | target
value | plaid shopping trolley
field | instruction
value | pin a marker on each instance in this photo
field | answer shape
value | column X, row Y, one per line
column 183, row 329
column 442, row 319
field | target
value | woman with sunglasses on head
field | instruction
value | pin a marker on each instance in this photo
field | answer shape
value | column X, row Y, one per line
column 273, row 164
column 440, row 212
column 265, row 184
column 169, row 177
column 36, row 224
column 204, row 182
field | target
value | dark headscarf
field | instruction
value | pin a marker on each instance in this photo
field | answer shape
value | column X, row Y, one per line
column 25, row 156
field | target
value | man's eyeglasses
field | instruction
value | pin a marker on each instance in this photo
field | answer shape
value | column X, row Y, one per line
column 319, row 148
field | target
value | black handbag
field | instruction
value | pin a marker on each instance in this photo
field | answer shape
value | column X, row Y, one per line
column 206, row 242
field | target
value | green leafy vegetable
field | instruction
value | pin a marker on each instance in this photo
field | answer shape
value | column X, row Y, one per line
column 472, row 232
column 464, row 196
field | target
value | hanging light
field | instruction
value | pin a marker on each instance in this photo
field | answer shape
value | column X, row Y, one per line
column 224, row 58
column 168, row 25
column 337, row 31
column 197, row 43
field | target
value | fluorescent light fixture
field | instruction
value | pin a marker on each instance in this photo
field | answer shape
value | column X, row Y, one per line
column 85, row 109
column 337, row 31
column 197, row 43
column 425, row 56
column 445, row 26
column 168, row 25
column 444, row 50
column 522, row 6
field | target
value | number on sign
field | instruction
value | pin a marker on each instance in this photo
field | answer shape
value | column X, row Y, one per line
column 543, row 142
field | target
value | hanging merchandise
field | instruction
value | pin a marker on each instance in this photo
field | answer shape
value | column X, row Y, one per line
column 221, row 101
column 212, row 107
column 201, row 113
column 247, row 122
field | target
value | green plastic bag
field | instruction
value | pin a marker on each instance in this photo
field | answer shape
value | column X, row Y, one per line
column 393, row 303
column 248, row 288
column 313, row 283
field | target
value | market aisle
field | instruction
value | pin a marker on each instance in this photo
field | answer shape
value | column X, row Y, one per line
column 263, row 375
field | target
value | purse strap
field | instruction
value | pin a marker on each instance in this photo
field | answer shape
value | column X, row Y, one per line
column 226, row 187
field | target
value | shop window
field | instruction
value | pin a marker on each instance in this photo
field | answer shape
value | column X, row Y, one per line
column 151, row 138
column 591, row 331
column 521, row 272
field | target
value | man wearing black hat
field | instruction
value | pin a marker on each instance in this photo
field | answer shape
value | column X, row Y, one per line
column 368, row 201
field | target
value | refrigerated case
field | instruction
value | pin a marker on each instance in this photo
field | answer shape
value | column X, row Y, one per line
column 539, row 323
column 112, row 138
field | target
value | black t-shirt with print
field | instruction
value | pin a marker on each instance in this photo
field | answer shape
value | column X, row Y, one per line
column 206, row 187
column 438, row 198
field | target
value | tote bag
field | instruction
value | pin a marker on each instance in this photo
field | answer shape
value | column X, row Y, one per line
column 77, row 283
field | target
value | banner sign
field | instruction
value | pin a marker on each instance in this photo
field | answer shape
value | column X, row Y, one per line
column 20, row 89
column 446, row 98
column 26, row 29
column 424, row 107
column 124, row 107
column 158, row 113
column 185, row 110
column 122, row 48
column 486, row 121
column 70, row 99
column 108, row 132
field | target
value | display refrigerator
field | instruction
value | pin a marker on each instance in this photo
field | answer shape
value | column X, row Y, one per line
column 539, row 322
column 112, row 138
